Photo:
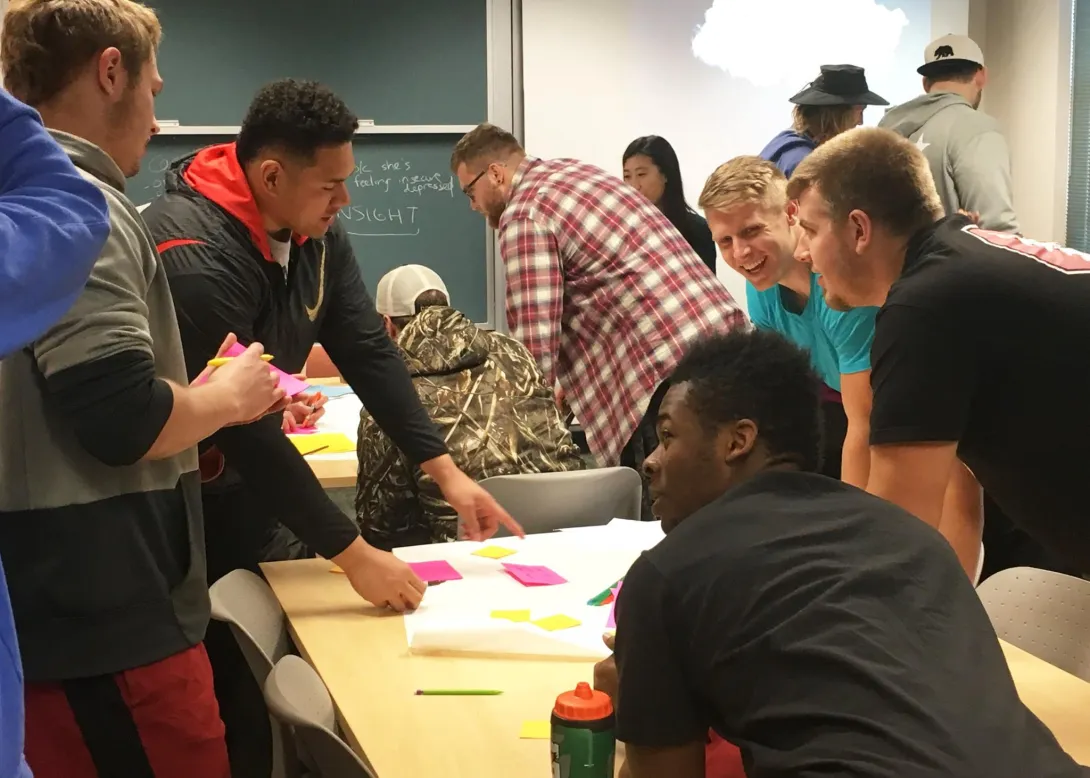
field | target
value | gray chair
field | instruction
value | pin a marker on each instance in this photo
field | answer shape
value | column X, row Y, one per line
column 543, row 502
column 1044, row 613
column 298, row 698
column 246, row 603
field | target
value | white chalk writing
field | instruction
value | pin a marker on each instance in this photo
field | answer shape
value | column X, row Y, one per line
column 381, row 222
column 379, row 188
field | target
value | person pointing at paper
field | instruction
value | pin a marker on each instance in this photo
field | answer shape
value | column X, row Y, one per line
column 250, row 241
column 249, row 237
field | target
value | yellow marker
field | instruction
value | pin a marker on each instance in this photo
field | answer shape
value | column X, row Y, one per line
column 221, row 361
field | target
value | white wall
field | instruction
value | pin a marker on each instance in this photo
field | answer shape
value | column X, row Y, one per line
column 949, row 17
column 1027, row 45
column 599, row 73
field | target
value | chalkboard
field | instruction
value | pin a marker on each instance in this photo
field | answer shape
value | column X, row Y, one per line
column 406, row 208
column 393, row 61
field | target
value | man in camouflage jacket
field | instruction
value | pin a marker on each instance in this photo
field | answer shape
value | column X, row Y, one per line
column 482, row 389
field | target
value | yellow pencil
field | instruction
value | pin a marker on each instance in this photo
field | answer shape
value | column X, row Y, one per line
column 221, row 361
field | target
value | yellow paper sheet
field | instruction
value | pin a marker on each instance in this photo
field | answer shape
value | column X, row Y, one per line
column 535, row 730
column 335, row 569
column 327, row 442
column 512, row 615
column 493, row 552
column 557, row 622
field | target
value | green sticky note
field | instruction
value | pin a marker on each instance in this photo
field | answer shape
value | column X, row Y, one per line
column 493, row 552
column 535, row 730
column 512, row 615
column 557, row 622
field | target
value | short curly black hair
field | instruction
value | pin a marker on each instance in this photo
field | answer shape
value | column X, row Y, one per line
column 297, row 116
column 757, row 375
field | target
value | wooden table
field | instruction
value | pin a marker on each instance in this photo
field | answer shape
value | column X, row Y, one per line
column 362, row 655
column 337, row 471
column 1059, row 699
column 334, row 471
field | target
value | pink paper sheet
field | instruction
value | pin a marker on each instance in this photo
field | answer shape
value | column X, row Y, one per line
column 435, row 572
column 611, row 622
column 532, row 575
column 289, row 383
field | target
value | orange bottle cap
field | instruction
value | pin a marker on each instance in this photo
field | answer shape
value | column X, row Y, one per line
column 583, row 704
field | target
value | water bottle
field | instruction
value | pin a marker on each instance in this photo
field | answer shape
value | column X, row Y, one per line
column 583, row 743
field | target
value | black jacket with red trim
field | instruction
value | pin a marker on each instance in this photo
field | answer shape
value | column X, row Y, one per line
column 223, row 279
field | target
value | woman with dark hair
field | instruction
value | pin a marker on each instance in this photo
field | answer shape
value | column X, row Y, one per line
column 651, row 166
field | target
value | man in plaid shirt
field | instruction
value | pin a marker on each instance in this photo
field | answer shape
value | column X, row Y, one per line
column 601, row 288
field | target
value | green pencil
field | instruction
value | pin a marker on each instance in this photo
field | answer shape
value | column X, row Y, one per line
column 457, row 692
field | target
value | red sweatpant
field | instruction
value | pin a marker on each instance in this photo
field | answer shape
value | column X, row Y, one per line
column 722, row 759
column 156, row 721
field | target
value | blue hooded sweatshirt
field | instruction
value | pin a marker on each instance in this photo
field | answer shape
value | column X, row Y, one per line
column 787, row 150
column 53, row 224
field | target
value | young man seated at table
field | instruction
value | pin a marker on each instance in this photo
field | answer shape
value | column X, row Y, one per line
column 482, row 389
column 821, row 629
column 757, row 230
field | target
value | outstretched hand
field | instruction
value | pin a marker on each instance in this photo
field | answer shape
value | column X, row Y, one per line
column 481, row 515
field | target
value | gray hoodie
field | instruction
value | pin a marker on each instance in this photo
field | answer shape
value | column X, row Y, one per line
column 968, row 155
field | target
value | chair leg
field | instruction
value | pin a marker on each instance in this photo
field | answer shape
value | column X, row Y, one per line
column 285, row 754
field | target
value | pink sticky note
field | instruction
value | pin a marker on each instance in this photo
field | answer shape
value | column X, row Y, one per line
column 434, row 572
column 303, row 431
column 611, row 622
column 532, row 575
column 289, row 383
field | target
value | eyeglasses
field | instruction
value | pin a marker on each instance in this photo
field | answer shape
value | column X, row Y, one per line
column 467, row 190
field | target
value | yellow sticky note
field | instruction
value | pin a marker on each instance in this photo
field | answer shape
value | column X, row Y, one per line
column 536, row 730
column 323, row 443
column 557, row 622
column 512, row 615
column 335, row 569
column 493, row 552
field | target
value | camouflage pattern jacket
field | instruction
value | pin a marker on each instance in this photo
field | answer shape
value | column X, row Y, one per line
column 490, row 402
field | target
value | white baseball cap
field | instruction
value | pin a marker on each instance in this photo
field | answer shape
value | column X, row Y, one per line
column 950, row 48
column 397, row 290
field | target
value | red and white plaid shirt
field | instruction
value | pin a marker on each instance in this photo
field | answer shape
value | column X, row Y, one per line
column 604, row 292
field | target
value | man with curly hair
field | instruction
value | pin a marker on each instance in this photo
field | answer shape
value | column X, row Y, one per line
column 249, row 237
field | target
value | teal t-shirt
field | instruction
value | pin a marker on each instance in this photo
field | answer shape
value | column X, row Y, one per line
column 838, row 341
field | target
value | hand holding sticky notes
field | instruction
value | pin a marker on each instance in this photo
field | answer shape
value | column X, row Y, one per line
column 533, row 575
column 289, row 383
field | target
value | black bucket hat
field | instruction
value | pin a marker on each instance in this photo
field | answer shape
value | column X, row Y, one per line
column 838, row 85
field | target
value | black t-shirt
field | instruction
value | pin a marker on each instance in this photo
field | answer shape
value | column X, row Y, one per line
column 694, row 228
column 982, row 341
column 825, row 632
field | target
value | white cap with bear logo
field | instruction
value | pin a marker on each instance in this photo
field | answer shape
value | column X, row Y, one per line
column 950, row 48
